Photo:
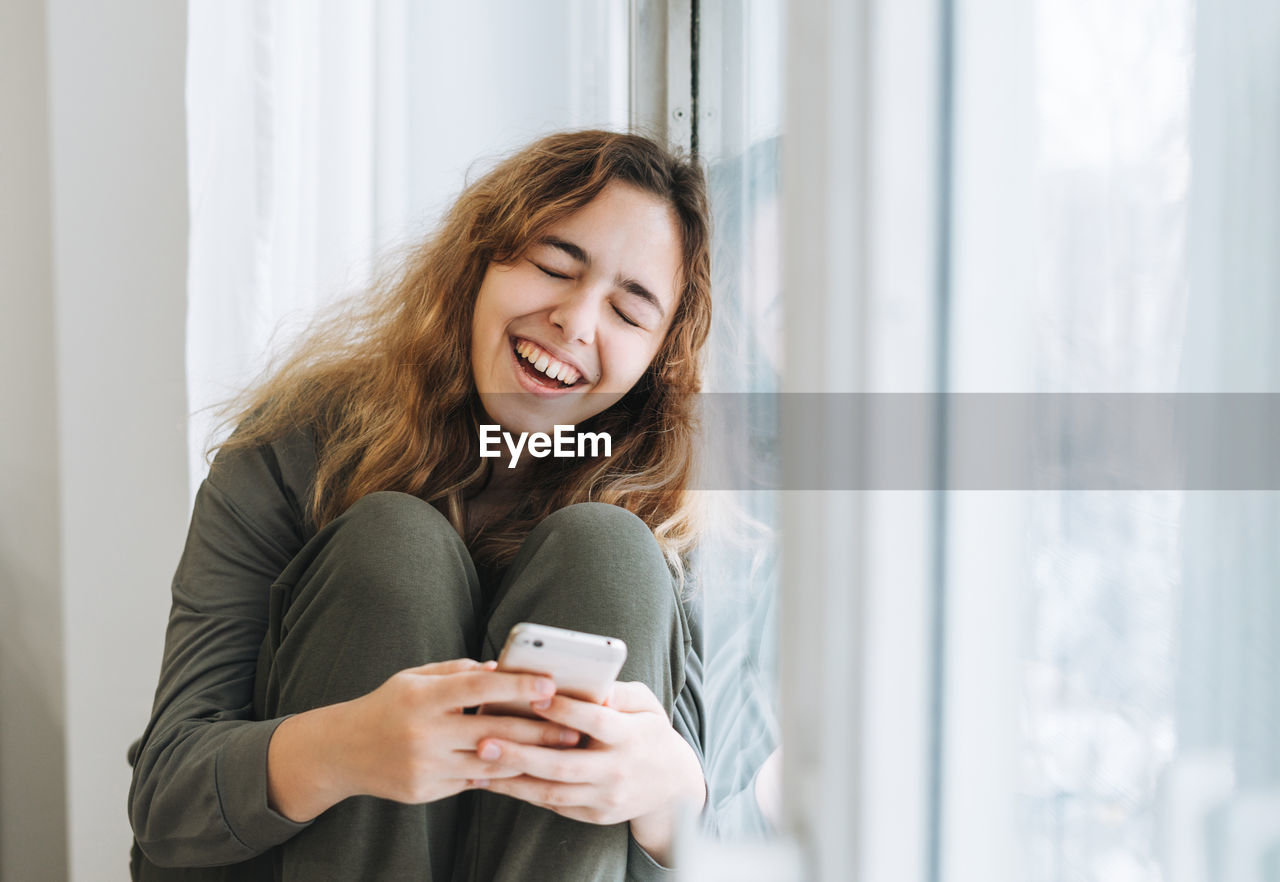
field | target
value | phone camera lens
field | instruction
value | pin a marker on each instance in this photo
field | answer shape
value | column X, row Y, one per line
column 537, row 643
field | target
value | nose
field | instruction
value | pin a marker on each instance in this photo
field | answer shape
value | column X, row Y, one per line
column 575, row 316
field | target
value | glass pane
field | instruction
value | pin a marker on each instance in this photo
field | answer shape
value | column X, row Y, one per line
column 1113, row 100
column 1115, row 179
column 739, row 131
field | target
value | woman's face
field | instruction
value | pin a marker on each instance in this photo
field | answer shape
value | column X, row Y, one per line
column 568, row 329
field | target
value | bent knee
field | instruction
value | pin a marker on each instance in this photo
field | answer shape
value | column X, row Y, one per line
column 599, row 524
column 613, row 550
column 392, row 523
column 391, row 554
column 389, row 511
column 390, row 504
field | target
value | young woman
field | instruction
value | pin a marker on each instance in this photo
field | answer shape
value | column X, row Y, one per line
column 354, row 564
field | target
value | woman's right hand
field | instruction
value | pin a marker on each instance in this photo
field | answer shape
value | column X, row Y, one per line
column 408, row 740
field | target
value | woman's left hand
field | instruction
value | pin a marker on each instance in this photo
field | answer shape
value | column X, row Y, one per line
column 635, row 767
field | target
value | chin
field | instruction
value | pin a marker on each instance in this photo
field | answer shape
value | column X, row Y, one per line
column 516, row 419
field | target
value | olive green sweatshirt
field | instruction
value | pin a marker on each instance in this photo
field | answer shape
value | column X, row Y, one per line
column 199, row 791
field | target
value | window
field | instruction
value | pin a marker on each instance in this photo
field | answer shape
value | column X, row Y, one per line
column 935, row 205
column 1061, row 677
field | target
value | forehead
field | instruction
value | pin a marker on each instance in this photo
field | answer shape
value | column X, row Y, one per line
column 628, row 232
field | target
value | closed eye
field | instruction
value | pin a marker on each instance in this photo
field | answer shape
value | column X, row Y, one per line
column 626, row 318
column 550, row 272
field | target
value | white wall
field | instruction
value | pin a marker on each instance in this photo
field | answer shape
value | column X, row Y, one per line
column 93, row 234
column 32, row 767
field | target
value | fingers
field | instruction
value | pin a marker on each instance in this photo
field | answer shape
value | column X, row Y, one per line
column 567, row 766
column 464, row 764
column 600, row 722
column 548, row 794
column 452, row 666
column 485, row 686
column 469, row 730
column 633, row 697
column 453, row 786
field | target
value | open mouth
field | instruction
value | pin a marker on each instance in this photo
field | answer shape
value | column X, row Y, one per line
column 542, row 367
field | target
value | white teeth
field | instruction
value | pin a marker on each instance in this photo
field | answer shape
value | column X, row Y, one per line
column 544, row 363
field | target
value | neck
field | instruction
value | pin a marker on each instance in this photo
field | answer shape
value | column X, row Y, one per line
column 503, row 481
column 496, row 500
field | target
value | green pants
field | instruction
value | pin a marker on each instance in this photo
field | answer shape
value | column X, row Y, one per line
column 390, row 585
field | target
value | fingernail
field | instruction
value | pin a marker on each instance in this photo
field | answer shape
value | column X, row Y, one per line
column 546, row 687
column 542, row 704
column 490, row 752
column 567, row 737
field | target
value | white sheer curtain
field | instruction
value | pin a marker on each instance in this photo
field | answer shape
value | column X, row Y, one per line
column 282, row 126
column 322, row 134
column 1223, row 790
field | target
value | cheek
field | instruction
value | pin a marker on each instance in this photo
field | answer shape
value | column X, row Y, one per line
column 487, row 328
column 484, row 336
column 631, row 361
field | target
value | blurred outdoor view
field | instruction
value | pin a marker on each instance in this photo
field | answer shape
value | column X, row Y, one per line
column 1113, row 95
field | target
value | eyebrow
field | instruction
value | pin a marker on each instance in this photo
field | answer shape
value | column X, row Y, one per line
column 631, row 286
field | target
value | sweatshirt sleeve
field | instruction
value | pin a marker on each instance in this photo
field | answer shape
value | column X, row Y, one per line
column 689, row 719
column 199, row 790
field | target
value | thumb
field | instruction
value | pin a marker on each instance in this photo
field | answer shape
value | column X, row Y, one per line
column 452, row 666
column 633, row 697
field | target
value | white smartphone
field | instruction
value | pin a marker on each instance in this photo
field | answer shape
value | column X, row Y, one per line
column 583, row 665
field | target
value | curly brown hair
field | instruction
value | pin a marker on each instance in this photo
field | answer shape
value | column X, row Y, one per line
column 387, row 383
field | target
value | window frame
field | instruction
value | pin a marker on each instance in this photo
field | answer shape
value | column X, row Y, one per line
column 861, row 571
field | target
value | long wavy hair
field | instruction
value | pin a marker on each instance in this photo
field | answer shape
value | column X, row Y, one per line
column 387, row 385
